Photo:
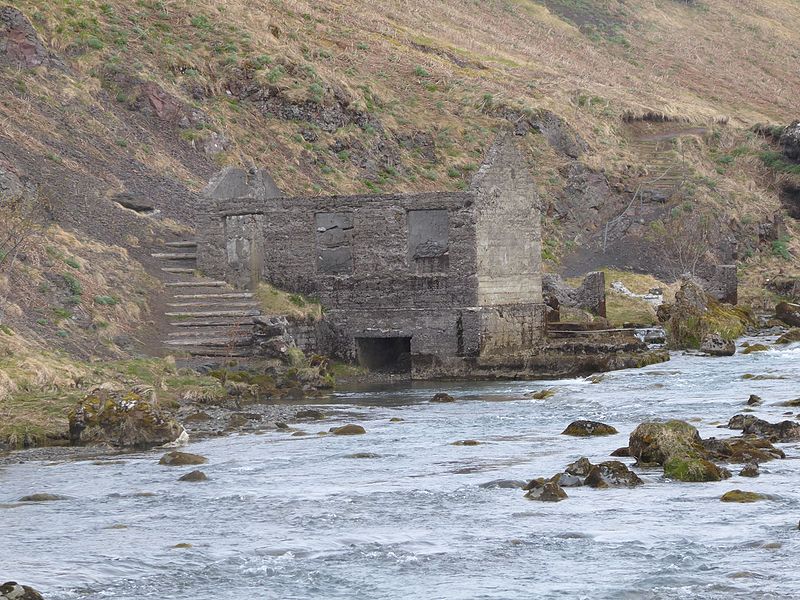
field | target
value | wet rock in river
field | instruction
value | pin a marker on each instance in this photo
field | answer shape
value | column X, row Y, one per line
column 11, row 590
column 742, row 496
column 182, row 459
column 750, row 470
column 742, row 449
column 755, row 348
column 349, row 429
column 791, row 336
column 310, row 413
column 676, row 446
column 442, row 397
column 588, row 428
column 694, row 469
column 194, row 476
column 545, row 491
column 785, row 431
column 541, row 394
column 568, row 480
column 466, row 443
column 714, row 344
column 363, row 455
column 622, row 452
column 754, row 400
column 657, row 442
column 503, row 484
column 612, row 473
column 42, row 498
column 581, row 467
column 396, row 420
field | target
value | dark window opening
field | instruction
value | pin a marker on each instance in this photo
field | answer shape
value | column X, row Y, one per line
column 385, row 355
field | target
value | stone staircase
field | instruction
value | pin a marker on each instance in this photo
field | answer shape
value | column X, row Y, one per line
column 205, row 318
column 665, row 173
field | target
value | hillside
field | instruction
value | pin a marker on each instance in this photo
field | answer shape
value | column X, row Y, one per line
column 643, row 116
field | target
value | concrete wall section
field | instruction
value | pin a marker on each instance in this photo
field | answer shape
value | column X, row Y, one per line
column 508, row 230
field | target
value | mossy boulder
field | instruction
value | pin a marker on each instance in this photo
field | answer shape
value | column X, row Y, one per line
column 742, row 496
column 676, row 446
column 589, row 429
column 658, row 442
column 695, row 315
column 182, row 459
column 124, row 420
column 784, row 431
column 791, row 336
column 693, row 469
column 545, row 491
column 755, row 348
column 349, row 429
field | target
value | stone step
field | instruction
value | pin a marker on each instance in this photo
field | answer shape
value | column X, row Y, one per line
column 219, row 322
column 220, row 352
column 214, row 303
column 185, row 244
column 186, row 270
column 213, row 342
column 221, row 331
column 175, row 255
column 196, row 283
column 213, row 313
column 224, row 295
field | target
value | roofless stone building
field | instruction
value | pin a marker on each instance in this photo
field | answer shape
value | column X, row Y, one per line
column 435, row 283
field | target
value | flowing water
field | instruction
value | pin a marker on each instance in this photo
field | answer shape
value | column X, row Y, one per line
column 298, row 517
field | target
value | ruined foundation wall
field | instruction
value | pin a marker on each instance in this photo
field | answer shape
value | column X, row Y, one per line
column 396, row 251
column 508, row 229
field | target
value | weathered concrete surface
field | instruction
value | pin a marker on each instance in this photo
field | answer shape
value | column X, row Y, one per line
column 508, row 229
column 590, row 295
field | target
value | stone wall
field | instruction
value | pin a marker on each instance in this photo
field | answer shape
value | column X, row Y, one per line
column 356, row 251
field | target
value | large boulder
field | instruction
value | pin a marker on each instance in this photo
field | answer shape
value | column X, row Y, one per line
column 714, row 344
column 789, row 313
column 11, row 590
column 790, row 141
column 657, row 442
column 123, row 420
column 676, row 446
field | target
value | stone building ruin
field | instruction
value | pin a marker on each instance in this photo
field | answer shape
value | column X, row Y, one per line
column 436, row 283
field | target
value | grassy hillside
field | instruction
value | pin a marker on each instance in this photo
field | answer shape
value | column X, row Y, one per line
column 149, row 98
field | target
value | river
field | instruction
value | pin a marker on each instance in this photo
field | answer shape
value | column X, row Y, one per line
column 298, row 517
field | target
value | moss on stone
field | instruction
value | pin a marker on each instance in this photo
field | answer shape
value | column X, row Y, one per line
column 692, row 469
column 755, row 348
column 742, row 496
